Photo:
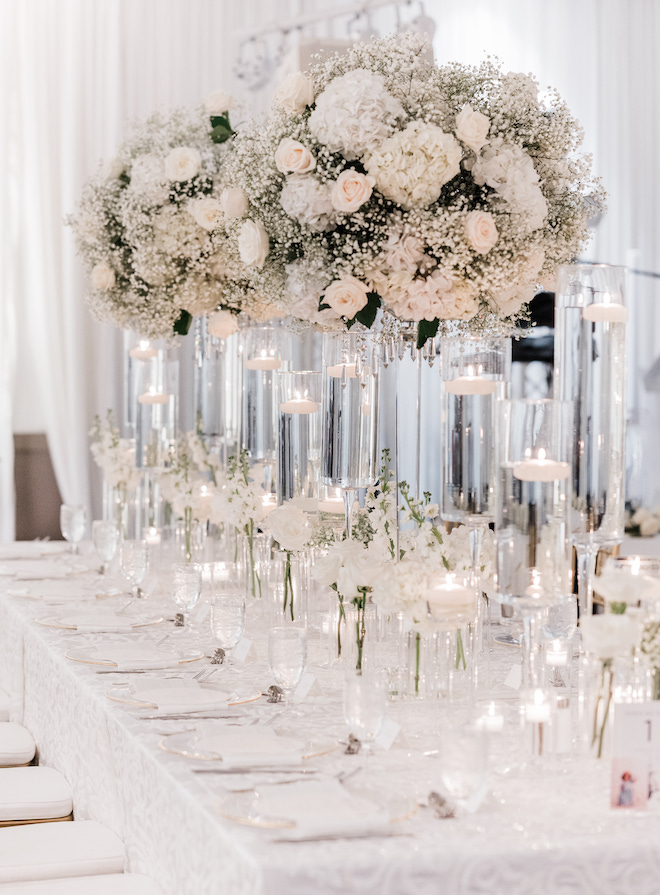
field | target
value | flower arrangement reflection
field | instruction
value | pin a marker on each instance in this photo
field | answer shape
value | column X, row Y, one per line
column 115, row 457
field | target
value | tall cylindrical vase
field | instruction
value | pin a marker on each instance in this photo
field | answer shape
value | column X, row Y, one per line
column 590, row 361
column 157, row 413
column 299, row 437
column 217, row 389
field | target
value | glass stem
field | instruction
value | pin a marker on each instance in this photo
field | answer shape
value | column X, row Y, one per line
column 530, row 631
column 586, row 564
column 349, row 500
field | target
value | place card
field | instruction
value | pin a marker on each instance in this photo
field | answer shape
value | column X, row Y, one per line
column 514, row 677
column 307, row 681
column 636, row 756
column 388, row 733
column 241, row 650
column 200, row 613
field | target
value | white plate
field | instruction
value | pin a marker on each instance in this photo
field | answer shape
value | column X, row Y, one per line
column 106, row 623
column 217, row 699
column 186, row 743
column 123, row 656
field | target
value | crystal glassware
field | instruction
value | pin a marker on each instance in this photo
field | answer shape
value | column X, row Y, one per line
column 227, row 618
column 134, row 563
column 287, row 658
column 366, row 695
column 463, row 762
column 350, row 418
column 186, row 584
column 73, row 521
column 590, row 360
column 105, row 535
column 299, row 436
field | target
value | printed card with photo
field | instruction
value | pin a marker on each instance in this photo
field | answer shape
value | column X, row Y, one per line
column 636, row 756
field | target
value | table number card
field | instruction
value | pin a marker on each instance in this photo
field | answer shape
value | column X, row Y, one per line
column 636, row 755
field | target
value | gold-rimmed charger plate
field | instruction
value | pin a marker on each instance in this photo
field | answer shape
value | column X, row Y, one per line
column 183, row 743
column 132, row 622
column 93, row 655
column 127, row 697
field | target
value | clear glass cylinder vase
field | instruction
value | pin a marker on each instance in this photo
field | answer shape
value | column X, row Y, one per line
column 289, row 587
column 299, row 437
column 157, row 414
column 217, row 389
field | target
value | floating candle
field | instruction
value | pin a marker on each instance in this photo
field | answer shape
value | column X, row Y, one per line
column 262, row 363
column 153, row 398
column 152, row 537
column 492, row 721
column 607, row 312
column 144, row 351
column 556, row 654
column 299, row 405
column 541, row 470
column 332, row 505
column 337, row 371
column 449, row 594
column 470, row 385
column 538, row 711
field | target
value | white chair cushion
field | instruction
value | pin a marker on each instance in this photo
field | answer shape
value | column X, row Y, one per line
column 114, row 884
column 5, row 705
column 59, row 850
column 33, row 793
column 16, row 744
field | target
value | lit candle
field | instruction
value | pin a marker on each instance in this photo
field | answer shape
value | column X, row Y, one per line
column 556, row 654
column 144, row 351
column 538, row 711
column 535, row 589
column 153, row 398
column 152, row 537
column 450, row 602
column 607, row 312
column 262, row 363
column 470, row 385
column 299, row 405
column 205, row 497
column 539, row 469
column 269, row 502
column 338, row 370
column 492, row 721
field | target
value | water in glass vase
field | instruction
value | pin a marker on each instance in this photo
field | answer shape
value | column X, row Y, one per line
column 349, row 428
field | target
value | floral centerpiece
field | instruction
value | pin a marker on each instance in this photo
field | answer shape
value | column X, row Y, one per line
column 147, row 226
column 115, row 457
column 440, row 193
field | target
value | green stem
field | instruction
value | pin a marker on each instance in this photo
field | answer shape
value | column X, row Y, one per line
column 288, row 586
column 342, row 617
column 607, row 711
column 360, row 629
column 254, row 577
column 460, row 651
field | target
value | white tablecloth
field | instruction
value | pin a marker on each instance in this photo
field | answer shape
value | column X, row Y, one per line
column 543, row 832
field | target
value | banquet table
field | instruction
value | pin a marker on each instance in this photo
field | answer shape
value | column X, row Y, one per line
column 543, row 829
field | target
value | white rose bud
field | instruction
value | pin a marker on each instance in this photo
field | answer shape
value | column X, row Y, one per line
column 219, row 103
column 253, row 243
column 351, row 190
column 111, row 169
column 295, row 93
column 103, row 277
column 346, row 296
column 288, row 526
column 207, row 212
column 481, row 231
column 183, row 163
column 234, row 202
column 291, row 157
column 472, row 128
column 222, row 324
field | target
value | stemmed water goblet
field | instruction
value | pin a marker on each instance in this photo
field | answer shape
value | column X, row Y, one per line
column 228, row 619
column 287, row 659
column 105, row 535
column 463, row 764
column 366, row 695
column 134, row 563
column 73, row 520
column 187, row 584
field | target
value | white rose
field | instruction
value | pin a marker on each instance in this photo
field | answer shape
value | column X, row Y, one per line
column 351, row 190
column 253, row 243
column 103, row 277
column 291, row 157
column 472, row 128
column 234, row 202
column 219, row 103
column 609, row 636
column 481, row 231
column 111, row 169
column 222, row 324
column 295, row 93
column 288, row 526
column 183, row 163
column 207, row 212
column 346, row 296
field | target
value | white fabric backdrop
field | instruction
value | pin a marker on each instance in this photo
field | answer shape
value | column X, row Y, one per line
column 74, row 71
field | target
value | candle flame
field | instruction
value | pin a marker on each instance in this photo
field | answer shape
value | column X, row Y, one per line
column 636, row 565
column 144, row 344
column 541, row 453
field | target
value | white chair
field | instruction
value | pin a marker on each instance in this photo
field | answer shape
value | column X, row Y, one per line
column 28, row 795
column 112, row 884
column 5, row 705
column 58, row 851
column 17, row 745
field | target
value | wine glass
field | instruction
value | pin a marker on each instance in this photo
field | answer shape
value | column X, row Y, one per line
column 287, row 659
column 463, row 763
column 228, row 619
column 187, row 577
column 73, row 520
column 105, row 535
column 366, row 694
column 134, row 563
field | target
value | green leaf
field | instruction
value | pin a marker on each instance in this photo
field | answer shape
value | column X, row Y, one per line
column 426, row 329
column 218, row 120
column 367, row 314
column 294, row 251
column 221, row 133
column 182, row 324
column 323, row 306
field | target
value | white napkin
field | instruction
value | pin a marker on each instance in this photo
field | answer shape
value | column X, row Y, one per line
column 241, row 747
column 320, row 808
column 31, row 549
column 180, row 696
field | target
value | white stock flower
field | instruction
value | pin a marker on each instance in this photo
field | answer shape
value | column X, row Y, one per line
column 291, row 157
column 295, row 93
column 351, row 190
column 472, row 128
column 183, row 163
column 358, row 569
column 481, row 231
column 307, row 200
column 355, row 113
column 346, row 296
column 222, row 324
column 103, row 277
column 219, row 103
column 253, row 243
column 609, row 636
column 289, row 526
column 207, row 212
column 234, row 202
column 411, row 167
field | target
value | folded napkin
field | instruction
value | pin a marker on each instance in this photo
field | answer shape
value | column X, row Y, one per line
column 320, row 808
column 180, row 696
column 241, row 747
column 31, row 549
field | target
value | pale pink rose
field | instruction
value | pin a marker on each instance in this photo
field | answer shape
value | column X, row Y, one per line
column 183, row 163
column 207, row 212
column 295, row 93
column 351, row 190
column 346, row 296
column 103, row 277
column 481, row 231
column 291, row 157
column 234, row 202
column 472, row 128
column 222, row 324
column 219, row 103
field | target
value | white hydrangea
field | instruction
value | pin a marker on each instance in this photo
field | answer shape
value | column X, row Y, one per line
column 510, row 171
column 309, row 202
column 355, row 113
column 412, row 166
